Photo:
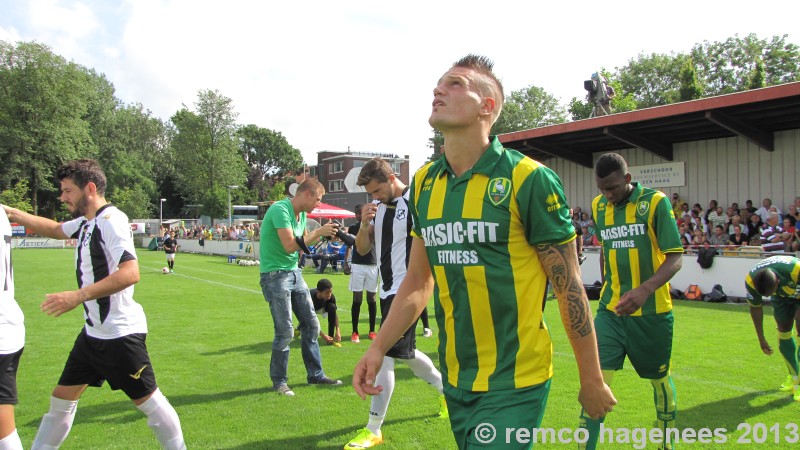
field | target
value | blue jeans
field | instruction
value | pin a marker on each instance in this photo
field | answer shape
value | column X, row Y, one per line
column 287, row 291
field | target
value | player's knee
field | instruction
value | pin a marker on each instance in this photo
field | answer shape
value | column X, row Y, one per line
column 283, row 337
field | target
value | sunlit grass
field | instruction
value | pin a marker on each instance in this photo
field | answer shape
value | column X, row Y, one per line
column 210, row 335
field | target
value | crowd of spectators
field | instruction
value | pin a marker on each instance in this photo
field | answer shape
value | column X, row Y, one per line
column 725, row 228
column 218, row 232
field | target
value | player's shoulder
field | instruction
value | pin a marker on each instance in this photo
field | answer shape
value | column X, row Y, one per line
column 522, row 166
column 111, row 215
column 431, row 168
column 654, row 196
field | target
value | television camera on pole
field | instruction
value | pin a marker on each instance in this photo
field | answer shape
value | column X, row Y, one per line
column 599, row 95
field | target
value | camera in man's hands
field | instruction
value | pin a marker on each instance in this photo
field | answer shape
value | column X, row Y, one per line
column 346, row 237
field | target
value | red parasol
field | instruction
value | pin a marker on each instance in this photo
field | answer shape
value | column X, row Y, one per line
column 326, row 211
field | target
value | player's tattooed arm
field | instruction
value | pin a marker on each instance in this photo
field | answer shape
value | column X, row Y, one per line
column 560, row 262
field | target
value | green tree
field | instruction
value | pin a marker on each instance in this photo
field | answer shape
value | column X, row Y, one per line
column 134, row 202
column 277, row 192
column 651, row 79
column 132, row 148
column 43, row 104
column 269, row 158
column 205, row 144
column 526, row 108
column 757, row 77
column 726, row 67
column 17, row 196
column 579, row 109
column 690, row 88
column 435, row 143
column 215, row 201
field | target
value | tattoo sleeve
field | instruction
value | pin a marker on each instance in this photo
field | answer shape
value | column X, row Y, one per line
column 560, row 262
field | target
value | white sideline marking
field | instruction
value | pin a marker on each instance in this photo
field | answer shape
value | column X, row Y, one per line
column 211, row 282
column 252, row 291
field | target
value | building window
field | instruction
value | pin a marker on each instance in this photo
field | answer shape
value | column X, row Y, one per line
column 336, row 167
column 358, row 163
column 335, row 185
column 396, row 167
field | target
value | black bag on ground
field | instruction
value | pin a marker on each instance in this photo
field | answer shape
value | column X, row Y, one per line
column 716, row 295
column 676, row 294
column 593, row 290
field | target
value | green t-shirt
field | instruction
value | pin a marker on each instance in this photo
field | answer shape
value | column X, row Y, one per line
column 787, row 268
column 480, row 230
column 273, row 256
column 635, row 236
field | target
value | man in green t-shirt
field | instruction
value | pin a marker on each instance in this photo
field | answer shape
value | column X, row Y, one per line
column 490, row 226
column 641, row 252
column 283, row 234
column 778, row 277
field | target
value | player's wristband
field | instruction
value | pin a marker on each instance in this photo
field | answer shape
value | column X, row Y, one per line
column 301, row 242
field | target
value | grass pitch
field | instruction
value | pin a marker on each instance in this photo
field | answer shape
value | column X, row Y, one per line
column 210, row 336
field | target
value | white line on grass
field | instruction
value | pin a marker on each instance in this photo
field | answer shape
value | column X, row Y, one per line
column 213, row 271
column 253, row 291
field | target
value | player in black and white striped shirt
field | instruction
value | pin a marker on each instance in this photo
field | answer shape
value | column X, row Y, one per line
column 111, row 345
column 386, row 224
column 12, row 341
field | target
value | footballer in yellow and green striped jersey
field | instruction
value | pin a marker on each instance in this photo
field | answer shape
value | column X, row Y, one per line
column 641, row 252
column 785, row 284
column 778, row 277
column 635, row 235
column 490, row 226
column 479, row 229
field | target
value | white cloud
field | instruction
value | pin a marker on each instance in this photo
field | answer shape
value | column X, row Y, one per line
column 330, row 75
column 9, row 34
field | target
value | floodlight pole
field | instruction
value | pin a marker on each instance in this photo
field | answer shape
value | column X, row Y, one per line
column 161, row 215
column 230, row 215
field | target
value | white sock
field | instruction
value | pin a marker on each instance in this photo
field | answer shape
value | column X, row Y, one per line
column 379, row 404
column 423, row 367
column 11, row 442
column 164, row 421
column 55, row 424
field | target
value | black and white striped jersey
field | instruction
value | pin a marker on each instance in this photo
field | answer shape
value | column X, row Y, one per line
column 393, row 242
column 102, row 244
column 12, row 328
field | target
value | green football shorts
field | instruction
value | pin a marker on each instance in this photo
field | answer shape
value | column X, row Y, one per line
column 491, row 419
column 784, row 309
column 645, row 340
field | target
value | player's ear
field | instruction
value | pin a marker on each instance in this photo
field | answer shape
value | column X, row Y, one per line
column 90, row 188
column 488, row 104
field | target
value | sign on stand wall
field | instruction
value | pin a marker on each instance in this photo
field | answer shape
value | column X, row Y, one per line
column 659, row 175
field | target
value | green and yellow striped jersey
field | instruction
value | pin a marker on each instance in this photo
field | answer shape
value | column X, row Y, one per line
column 787, row 268
column 635, row 236
column 479, row 230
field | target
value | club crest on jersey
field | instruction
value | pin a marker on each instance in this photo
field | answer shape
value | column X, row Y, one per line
column 498, row 190
column 642, row 208
column 552, row 202
column 428, row 184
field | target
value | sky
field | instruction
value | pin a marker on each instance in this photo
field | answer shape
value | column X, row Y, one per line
column 359, row 75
